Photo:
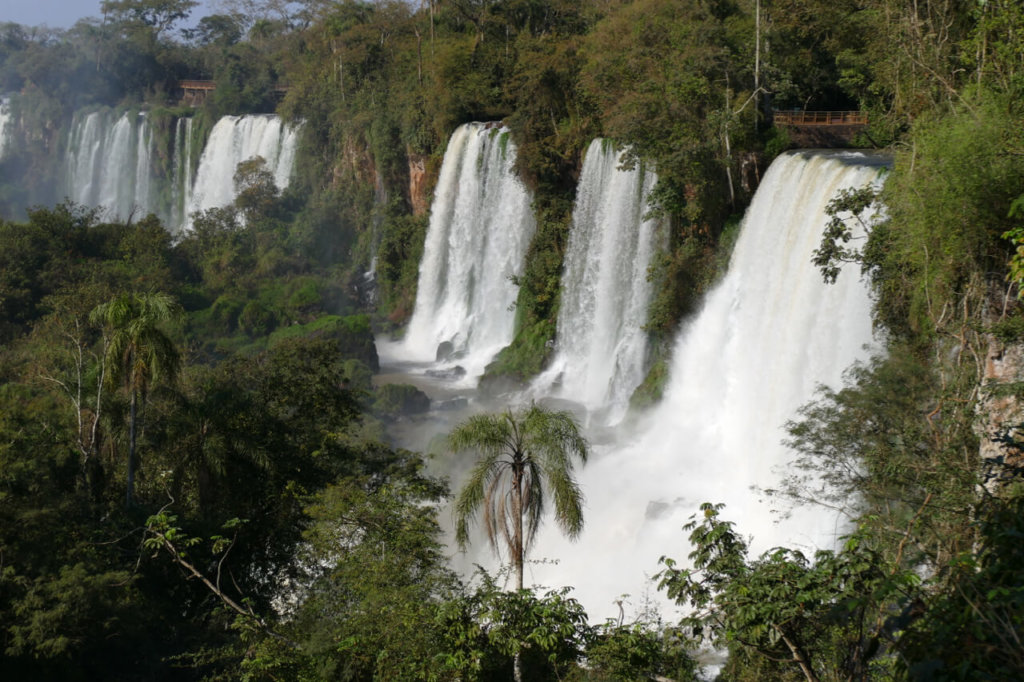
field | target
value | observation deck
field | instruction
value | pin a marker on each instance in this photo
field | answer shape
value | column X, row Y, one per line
column 194, row 92
column 821, row 128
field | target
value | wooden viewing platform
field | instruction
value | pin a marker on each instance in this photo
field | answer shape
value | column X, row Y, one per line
column 197, row 85
column 820, row 118
column 195, row 92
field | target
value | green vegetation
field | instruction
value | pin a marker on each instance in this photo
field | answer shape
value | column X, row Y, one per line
column 268, row 532
column 136, row 352
column 271, row 535
column 524, row 457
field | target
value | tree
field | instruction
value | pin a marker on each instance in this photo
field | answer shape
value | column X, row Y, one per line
column 222, row 30
column 522, row 453
column 830, row 618
column 158, row 15
column 484, row 625
column 139, row 352
column 257, row 193
column 642, row 650
column 374, row 575
column 847, row 206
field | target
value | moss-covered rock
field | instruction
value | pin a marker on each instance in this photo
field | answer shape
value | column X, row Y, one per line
column 352, row 334
column 399, row 400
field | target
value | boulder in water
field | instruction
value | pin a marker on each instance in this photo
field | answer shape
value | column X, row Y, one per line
column 452, row 404
column 399, row 400
column 454, row 372
column 445, row 350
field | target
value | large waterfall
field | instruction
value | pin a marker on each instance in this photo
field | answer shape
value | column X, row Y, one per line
column 601, row 346
column 480, row 227
column 235, row 139
column 108, row 163
column 768, row 333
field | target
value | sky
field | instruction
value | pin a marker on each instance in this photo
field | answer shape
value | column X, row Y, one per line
column 64, row 13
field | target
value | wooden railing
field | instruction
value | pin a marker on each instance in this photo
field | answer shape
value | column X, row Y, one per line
column 197, row 85
column 195, row 92
column 820, row 118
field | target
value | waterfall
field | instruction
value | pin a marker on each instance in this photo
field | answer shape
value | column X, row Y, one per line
column 235, row 139
column 181, row 187
column 143, row 175
column 6, row 125
column 601, row 346
column 480, row 227
column 108, row 163
column 767, row 335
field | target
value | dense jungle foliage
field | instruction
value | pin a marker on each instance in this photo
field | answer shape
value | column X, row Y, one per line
column 194, row 479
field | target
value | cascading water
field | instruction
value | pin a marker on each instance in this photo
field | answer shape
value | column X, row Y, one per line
column 480, row 227
column 6, row 125
column 768, row 334
column 143, row 146
column 235, row 139
column 182, row 179
column 601, row 346
column 108, row 162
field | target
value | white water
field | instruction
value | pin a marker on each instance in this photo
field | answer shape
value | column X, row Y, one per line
column 601, row 350
column 480, row 226
column 108, row 163
column 235, row 139
column 767, row 335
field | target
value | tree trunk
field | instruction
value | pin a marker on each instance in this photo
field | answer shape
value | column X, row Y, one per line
column 799, row 657
column 518, row 552
column 131, row 452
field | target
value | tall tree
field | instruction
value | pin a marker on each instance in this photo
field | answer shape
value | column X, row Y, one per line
column 138, row 352
column 523, row 455
column 158, row 15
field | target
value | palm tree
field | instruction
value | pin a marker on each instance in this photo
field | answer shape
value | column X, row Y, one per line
column 523, row 456
column 138, row 353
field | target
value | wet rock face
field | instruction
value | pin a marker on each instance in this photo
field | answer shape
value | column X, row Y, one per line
column 418, row 195
column 1000, row 424
column 445, row 351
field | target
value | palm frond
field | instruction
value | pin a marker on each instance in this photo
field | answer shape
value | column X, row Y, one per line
column 541, row 446
column 473, row 495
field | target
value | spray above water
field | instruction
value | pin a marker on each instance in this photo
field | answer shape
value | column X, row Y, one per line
column 481, row 224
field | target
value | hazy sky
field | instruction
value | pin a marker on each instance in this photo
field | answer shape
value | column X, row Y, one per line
column 64, row 13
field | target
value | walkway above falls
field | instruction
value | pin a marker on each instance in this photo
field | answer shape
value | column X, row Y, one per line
column 816, row 129
column 194, row 92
